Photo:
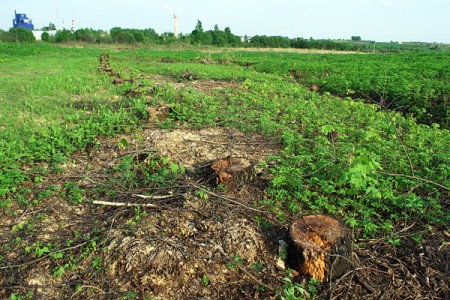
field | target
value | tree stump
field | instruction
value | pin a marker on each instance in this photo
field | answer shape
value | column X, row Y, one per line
column 233, row 171
column 188, row 75
column 158, row 113
column 320, row 246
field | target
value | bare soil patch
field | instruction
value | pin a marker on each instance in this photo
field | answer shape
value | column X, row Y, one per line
column 189, row 247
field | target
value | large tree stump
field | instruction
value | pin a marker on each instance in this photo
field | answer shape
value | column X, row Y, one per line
column 233, row 171
column 320, row 246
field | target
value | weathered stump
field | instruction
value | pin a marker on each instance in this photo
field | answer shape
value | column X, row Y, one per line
column 119, row 81
column 104, row 58
column 233, row 171
column 320, row 246
column 315, row 87
column 187, row 75
column 158, row 113
column 133, row 93
column 333, row 136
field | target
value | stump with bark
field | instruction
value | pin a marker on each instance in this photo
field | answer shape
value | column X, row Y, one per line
column 320, row 246
column 233, row 171
column 158, row 113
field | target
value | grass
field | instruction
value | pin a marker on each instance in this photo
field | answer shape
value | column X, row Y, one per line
column 53, row 103
column 64, row 106
column 381, row 171
column 347, row 177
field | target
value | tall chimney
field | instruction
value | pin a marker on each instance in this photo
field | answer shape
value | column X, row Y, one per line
column 175, row 30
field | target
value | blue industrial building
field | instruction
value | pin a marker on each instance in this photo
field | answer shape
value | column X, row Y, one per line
column 21, row 21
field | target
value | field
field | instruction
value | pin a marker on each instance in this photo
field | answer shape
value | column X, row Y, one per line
column 106, row 190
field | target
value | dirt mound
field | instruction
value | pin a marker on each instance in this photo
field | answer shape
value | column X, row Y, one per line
column 197, row 254
column 192, row 148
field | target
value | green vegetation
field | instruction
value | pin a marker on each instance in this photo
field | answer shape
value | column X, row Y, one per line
column 62, row 107
column 19, row 35
column 214, row 37
column 375, row 168
column 415, row 84
column 372, row 175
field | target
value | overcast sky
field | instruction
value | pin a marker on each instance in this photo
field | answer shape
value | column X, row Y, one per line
column 380, row 20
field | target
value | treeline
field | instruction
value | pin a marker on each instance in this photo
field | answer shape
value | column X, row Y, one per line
column 215, row 37
column 18, row 35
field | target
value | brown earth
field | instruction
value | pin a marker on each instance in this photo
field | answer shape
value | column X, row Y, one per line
column 163, row 252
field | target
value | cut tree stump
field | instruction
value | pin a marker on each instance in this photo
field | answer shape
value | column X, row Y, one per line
column 158, row 113
column 233, row 171
column 320, row 246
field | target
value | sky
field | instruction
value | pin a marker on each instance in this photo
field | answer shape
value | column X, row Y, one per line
column 379, row 20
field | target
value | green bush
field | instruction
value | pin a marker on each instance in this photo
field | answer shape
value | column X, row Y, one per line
column 45, row 37
column 19, row 35
column 64, row 36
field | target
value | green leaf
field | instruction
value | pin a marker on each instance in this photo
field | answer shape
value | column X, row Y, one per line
column 326, row 129
column 58, row 255
column 205, row 280
column 174, row 167
column 59, row 271
column 123, row 143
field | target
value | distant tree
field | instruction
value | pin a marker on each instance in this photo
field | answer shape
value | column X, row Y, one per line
column 45, row 37
column 105, row 38
column 167, row 38
column 300, row 43
column 130, row 36
column 151, row 35
column 199, row 26
column 138, row 35
column 258, row 41
column 114, row 32
column 124, row 37
column 356, row 38
column 85, row 35
column 232, row 39
column 19, row 35
column 218, row 37
column 198, row 36
column 64, row 36
column 269, row 41
column 50, row 26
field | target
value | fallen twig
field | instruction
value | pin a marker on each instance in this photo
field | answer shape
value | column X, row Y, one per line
column 154, row 196
column 80, row 290
column 218, row 247
column 44, row 257
column 310, row 174
column 226, row 198
column 365, row 284
column 384, row 109
column 121, row 204
column 414, row 177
